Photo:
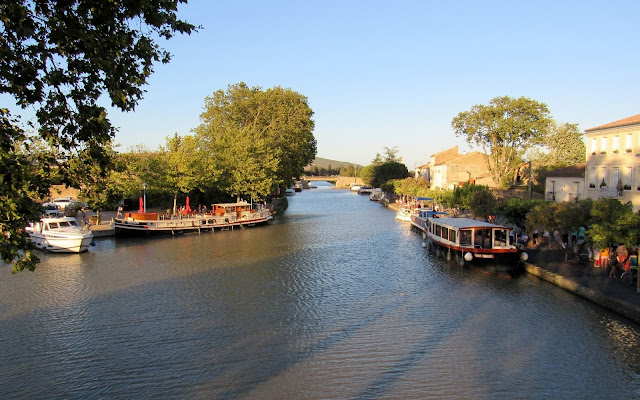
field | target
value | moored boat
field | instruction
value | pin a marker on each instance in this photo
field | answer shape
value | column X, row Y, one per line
column 376, row 194
column 60, row 235
column 404, row 213
column 420, row 216
column 477, row 243
column 222, row 216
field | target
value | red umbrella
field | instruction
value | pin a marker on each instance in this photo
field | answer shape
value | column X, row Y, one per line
column 141, row 205
column 188, row 208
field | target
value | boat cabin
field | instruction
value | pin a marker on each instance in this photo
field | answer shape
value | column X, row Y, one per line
column 238, row 209
column 468, row 233
column 47, row 225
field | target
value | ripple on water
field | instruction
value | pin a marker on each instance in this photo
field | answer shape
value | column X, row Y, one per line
column 335, row 299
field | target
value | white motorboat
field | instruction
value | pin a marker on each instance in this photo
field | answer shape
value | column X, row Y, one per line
column 404, row 214
column 60, row 235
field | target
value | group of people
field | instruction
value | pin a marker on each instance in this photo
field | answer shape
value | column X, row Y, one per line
column 619, row 258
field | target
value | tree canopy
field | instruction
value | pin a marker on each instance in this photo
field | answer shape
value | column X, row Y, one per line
column 59, row 58
column 504, row 130
column 257, row 139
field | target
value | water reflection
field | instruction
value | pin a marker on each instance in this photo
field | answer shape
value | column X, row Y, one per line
column 335, row 299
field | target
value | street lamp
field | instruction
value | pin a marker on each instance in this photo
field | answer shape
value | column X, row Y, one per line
column 144, row 199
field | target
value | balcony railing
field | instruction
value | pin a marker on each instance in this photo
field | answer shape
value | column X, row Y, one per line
column 610, row 193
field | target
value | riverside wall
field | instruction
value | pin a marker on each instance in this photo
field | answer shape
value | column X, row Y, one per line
column 344, row 182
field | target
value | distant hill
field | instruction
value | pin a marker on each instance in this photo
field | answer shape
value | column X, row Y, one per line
column 325, row 162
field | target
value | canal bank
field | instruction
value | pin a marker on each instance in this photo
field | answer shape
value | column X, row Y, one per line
column 582, row 279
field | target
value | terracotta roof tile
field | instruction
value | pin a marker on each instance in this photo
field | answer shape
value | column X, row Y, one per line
column 573, row 171
column 623, row 122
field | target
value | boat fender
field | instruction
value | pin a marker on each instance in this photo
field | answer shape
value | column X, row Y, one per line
column 93, row 243
column 524, row 256
column 424, row 244
column 468, row 256
column 424, row 235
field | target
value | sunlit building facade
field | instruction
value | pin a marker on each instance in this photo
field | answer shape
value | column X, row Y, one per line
column 613, row 161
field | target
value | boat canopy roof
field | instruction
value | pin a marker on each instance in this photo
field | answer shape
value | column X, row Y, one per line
column 241, row 203
column 465, row 223
column 424, row 198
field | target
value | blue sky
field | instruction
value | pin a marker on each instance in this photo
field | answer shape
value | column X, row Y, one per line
column 395, row 73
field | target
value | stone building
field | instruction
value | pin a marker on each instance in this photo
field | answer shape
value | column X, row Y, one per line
column 613, row 161
column 449, row 169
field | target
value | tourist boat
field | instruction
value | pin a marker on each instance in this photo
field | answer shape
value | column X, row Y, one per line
column 365, row 190
column 297, row 187
column 354, row 187
column 222, row 216
column 60, row 235
column 289, row 192
column 420, row 216
column 478, row 243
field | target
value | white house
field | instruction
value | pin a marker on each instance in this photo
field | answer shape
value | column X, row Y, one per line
column 613, row 161
column 565, row 184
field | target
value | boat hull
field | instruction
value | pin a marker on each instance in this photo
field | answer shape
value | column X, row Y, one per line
column 505, row 262
column 137, row 227
column 61, row 244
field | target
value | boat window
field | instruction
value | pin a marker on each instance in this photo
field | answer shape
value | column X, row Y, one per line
column 500, row 238
column 64, row 224
column 452, row 235
column 53, row 225
column 483, row 238
column 465, row 237
column 438, row 230
column 445, row 233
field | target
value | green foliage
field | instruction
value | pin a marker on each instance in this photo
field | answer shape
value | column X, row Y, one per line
column 566, row 145
column 614, row 223
column 257, row 140
column 515, row 210
column 411, row 187
column 462, row 196
column 563, row 217
column 59, row 58
column 101, row 189
column 388, row 171
column 377, row 175
column 182, row 167
column 391, row 154
column 23, row 177
column 542, row 215
column 483, row 204
column 349, row 171
column 367, row 174
column 504, row 130
column 563, row 146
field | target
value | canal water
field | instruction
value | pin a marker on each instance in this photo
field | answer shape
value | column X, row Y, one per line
column 335, row 299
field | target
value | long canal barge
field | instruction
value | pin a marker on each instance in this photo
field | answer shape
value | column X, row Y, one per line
column 222, row 216
column 478, row 243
